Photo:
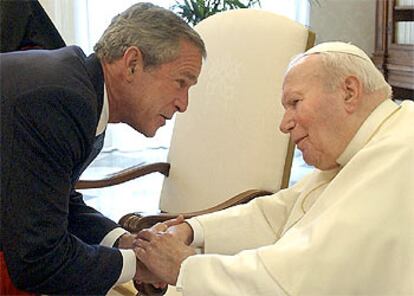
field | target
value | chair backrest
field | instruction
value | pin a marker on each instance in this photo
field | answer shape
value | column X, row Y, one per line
column 228, row 140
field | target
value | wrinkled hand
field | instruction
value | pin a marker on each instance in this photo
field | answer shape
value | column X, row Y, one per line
column 162, row 253
column 177, row 227
column 163, row 226
column 143, row 275
column 183, row 232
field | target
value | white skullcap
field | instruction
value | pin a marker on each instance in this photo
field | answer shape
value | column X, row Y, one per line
column 337, row 46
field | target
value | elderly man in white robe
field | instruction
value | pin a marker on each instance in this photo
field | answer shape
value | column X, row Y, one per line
column 345, row 229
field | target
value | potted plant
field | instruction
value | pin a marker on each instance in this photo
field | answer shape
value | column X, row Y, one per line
column 194, row 11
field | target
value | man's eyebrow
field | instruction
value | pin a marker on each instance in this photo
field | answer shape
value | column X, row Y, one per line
column 190, row 76
column 287, row 97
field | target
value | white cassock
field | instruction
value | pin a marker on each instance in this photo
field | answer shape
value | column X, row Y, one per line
column 347, row 231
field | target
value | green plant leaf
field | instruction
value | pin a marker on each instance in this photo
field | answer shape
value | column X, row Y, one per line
column 194, row 11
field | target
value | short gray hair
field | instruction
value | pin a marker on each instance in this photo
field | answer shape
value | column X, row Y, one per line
column 338, row 65
column 156, row 31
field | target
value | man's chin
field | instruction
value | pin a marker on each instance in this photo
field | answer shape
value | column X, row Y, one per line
column 150, row 134
column 147, row 133
column 150, row 131
column 308, row 160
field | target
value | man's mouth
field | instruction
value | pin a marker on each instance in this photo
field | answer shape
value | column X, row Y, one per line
column 299, row 140
column 166, row 117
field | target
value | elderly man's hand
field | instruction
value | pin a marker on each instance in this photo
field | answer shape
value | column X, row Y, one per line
column 163, row 226
column 162, row 253
column 143, row 275
column 177, row 227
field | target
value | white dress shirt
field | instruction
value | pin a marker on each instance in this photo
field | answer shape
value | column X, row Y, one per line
column 128, row 256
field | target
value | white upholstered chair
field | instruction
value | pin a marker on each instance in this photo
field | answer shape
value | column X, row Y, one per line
column 228, row 140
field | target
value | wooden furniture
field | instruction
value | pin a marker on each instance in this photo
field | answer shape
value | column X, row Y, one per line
column 394, row 45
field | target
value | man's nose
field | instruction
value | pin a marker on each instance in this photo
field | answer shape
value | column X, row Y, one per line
column 287, row 123
column 182, row 102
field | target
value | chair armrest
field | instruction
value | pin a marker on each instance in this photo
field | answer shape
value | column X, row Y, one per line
column 125, row 175
column 134, row 222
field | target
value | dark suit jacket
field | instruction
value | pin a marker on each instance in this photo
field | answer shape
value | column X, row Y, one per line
column 25, row 25
column 50, row 107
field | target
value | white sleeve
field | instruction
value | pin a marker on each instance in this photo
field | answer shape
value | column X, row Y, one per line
column 236, row 233
column 128, row 256
column 129, row 266
column 198, row 232
column 243, row 274
column 248, row 226
column 112, row 236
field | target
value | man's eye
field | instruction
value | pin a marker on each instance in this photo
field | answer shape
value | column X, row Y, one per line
column 181, row 83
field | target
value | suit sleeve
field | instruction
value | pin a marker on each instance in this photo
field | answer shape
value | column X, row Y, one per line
column 48, row 137
column 82, row 218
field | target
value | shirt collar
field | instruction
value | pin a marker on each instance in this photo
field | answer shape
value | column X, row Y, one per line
column 367, row 130
column 103, row 119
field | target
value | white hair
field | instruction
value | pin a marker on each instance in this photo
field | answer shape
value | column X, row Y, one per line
column 338, row 65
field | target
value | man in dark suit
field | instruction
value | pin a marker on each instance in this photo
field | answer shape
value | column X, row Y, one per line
column 54, row 109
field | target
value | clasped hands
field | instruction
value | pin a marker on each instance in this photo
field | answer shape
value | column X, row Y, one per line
column 160, row 250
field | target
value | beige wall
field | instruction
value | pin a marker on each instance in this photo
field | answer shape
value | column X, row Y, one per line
column 345, row 20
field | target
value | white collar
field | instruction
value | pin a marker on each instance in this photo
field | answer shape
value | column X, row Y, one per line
column 367, row 130
column 103, row 119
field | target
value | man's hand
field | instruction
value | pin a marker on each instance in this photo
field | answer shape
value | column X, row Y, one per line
column 126, row 241
column 182, row 232
column 163, row 226
column 162, row 253
column 143, row 275
column 177, row 227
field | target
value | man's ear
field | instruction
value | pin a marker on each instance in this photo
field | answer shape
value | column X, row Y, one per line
column 133, row 62
column 353, row 93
